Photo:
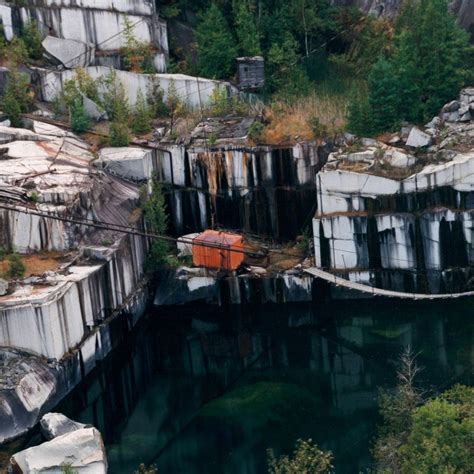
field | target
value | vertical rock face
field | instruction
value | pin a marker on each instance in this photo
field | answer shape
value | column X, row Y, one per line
column 27, row 384
column 262, row 190
column 463, row 9
column 423, row 223
column 99, row 23
column 413, row 232
column 191, row 90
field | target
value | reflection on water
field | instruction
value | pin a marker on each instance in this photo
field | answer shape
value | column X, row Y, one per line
column 200, row 390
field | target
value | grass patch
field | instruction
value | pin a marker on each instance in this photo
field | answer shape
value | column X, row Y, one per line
column 35, row 264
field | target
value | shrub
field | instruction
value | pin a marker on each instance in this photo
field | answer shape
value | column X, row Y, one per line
column 154, row 97
column 119, row 134
column 157, row 219
column 16, row 98
column 137, row 55
column 141, row 116
column 255, row 132
column 31, row 36
column 80, row 122
column 113, row 98
column 319, row 129
column 307, row 458
column 16, row 268
column 2, row 253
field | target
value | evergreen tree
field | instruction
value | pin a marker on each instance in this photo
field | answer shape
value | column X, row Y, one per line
column 80, row 123
column 215, row 45
column 141, row 115
column 384, row 96
column 246, row 28
column 31, row 36
column 156, row 217
column 119, row 134
column 359, row 115
column 16, row 97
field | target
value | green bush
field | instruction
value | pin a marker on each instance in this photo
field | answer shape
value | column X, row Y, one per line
column 16, row 268
column 137, row 55
column 16, row 98
column 141, row 122
column 156, row 218
column 255, row 132
column 216, row 47
column 155, row 98
column 31, row 36
column 80, row 122
column 119, row 134
column 307, row 458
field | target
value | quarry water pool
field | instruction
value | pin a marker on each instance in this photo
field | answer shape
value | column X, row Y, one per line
column 206, row 390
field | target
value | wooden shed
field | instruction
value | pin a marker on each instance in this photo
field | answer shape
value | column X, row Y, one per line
column 213, row 249
column 251, row 72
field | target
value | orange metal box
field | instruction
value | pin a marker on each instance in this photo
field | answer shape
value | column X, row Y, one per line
column 219, row 252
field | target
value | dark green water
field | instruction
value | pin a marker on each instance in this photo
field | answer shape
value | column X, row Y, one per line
column 202, row 390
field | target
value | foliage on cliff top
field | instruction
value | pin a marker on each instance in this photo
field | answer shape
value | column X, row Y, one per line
column 289, row 122
column 428, row 65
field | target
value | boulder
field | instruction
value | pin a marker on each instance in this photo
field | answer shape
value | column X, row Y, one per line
column 133, row 163
column 27, row 385
column 92, row 110
column 467, row 95
column 361, row 156
column 3, row 287
column 418, row 139
column 56, row 424
column 185, row 248
column 69, row 53
column 398, row 159
column 83, row 450
column 434, row 123
column 451, row 106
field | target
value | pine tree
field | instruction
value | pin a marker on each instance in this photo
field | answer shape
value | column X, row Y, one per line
column 31, row 36
column 16, row 98
column 156, row 217
column 141, row 115
column 80, row 123
column 246, row 29
column 359, row 115
column 430, row 58
column 215, row 45
column 384, row 96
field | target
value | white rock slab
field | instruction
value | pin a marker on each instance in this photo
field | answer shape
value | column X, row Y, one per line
column 68, row 52
column 82, row 449
column 56, row 424
column 418, row 139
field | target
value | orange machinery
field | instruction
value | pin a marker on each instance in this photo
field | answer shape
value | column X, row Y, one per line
column 213, row 249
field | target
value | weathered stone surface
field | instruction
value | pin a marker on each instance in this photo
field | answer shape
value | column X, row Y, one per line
column 26, row 386
column 92, row 110
column 398, row 159
column 82, row 449
column 418, row 139
column 3, row 287
column 184, row 245
column 190, row 89
column 56, row 424
column 70, row 53
column 131, row 163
